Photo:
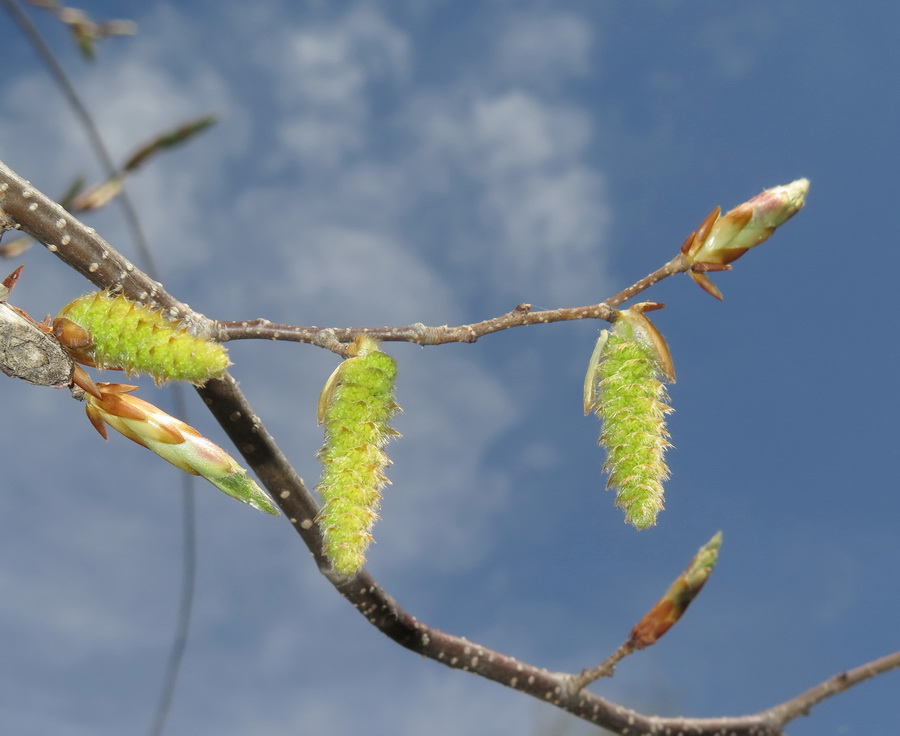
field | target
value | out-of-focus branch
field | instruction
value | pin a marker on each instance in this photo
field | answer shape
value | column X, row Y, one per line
column 23, row 207
column 61, row 78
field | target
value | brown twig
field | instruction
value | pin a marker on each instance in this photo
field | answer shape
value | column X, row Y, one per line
column 803, row 703
column 22, row 207
column 606, row 668
column 27, row 209
column 521, row 316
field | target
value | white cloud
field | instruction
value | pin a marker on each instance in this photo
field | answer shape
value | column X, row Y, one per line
column 445, row 498
column 544, row 47
column 517, row 132
column 320, row 76
column 542, row 213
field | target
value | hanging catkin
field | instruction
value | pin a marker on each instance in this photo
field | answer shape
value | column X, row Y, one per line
column 356, row 407
column 624, row 389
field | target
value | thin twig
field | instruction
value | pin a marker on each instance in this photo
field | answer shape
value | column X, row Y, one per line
column 803, row 703
column 521, row 316
column 56, row 70
column 605, row 668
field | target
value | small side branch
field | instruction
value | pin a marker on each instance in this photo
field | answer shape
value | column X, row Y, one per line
column 605, row 668
column 803, row 703
column 262, row 329
column 521, row 316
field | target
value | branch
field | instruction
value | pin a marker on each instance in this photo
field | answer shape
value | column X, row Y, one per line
column 23, row 207
column 262, row 329
column 803, row 703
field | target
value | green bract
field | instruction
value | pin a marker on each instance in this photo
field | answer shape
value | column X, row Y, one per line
column 356, row 406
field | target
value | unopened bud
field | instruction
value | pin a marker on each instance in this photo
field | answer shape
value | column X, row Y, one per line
column 720, row 240
column 668, row 609
column 173, row 440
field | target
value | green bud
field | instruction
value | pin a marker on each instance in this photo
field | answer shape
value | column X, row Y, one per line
column 173, row 440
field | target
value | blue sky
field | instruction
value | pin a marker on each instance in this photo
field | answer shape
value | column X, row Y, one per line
column 387, row 163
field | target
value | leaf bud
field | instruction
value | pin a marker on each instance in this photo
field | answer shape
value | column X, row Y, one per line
column 720, row 240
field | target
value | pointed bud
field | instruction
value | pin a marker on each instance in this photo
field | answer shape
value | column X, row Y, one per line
column 623, row 387
column 678, row 597
column 720, row 240
column 173, row 440
column 169, row 139
column 15, row 247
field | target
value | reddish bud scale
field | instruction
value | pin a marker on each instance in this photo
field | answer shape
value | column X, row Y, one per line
column 671, row 607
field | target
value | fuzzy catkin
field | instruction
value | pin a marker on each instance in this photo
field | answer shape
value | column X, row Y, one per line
column 139, row 339
column 631, row 401
column 356, row 408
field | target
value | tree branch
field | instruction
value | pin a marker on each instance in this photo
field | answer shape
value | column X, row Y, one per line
column 262, row 329
column 23, row 207
column 803, row 703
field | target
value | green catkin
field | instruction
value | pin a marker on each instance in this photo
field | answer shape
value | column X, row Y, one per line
column 631, row 401
column 139, row 339
column 356, row 407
